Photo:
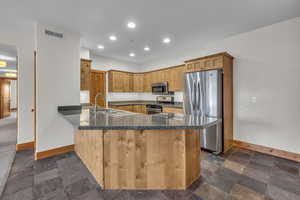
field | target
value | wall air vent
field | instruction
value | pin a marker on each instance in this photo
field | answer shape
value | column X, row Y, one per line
column 53, row 34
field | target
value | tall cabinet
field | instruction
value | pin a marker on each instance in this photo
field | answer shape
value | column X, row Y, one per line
column 85, row 70
column 225, row 62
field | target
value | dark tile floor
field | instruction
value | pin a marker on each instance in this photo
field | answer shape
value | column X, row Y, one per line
column 237, row 175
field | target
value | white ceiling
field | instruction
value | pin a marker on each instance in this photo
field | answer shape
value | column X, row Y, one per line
column 185, row 21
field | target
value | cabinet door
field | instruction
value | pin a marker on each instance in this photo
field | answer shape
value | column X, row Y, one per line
column 97, row 86
column 179, row 78
column 138, row 82
column 85, row 67
column 120, row 81
column 176, row 77
column 147, row 82
column 127, row 79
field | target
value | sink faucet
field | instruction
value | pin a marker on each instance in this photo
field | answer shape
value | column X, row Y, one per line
column 95, row 105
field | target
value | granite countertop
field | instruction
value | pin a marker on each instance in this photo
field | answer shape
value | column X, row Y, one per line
column 125, row 103
column 85, row 118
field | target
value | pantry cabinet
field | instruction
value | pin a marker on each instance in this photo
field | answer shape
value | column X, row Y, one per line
column 85, row 69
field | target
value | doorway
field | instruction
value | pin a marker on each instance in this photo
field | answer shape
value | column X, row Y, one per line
column 8, row 109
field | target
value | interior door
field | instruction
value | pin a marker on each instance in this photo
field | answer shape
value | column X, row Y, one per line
column 5, row 98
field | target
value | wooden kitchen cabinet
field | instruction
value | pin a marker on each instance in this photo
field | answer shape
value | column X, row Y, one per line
column 120, row 81
column 172, row 110
column 175, row 78
column 98, row 86
column 138, row 82
column 139, row 109
column 219, row 61
column 147, row 82
column 126, row 108
column 85, row 69
column 127, row 79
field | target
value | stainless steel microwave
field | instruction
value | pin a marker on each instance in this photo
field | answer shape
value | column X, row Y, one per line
column 160, row 88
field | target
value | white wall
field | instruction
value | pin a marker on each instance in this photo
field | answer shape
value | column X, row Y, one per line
column 22, row 35
column 266, row 67
column 106, row 63
column 84, row 53
column 13, row 94
column 58, row 83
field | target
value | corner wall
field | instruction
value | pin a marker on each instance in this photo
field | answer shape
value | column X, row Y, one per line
column 266, row 82
column 22, row 34
column 58, row 83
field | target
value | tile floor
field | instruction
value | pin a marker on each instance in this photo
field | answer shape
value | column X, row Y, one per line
column 8, row 140
column 237, row 175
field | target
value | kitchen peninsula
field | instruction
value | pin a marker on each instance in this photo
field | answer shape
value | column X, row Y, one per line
column 125, row 150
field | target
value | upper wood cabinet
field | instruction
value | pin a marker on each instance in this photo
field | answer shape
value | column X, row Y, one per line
column 147, row 81
column 85, row 69
column 138, row 82
column 175, row 78
column 119, row 81
column 215, row 61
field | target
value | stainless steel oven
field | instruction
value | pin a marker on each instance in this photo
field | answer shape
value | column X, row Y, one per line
column 153, row 109
column 160, row 88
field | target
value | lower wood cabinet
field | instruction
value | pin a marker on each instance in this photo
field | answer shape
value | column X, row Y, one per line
column 140, row 109
column 173, row 110
column 132, row 108
column 126, row 108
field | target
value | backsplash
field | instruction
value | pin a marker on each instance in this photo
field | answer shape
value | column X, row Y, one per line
column 123, row 96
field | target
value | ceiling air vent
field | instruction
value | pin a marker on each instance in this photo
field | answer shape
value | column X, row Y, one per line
column 53, row 34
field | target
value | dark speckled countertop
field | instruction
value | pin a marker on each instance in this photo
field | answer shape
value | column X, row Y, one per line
column 125, row 103
column 85, row 118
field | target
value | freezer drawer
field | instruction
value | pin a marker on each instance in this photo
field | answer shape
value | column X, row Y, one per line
column 212, row 138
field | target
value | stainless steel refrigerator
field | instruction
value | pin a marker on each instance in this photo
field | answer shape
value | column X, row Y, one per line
column 203, row 97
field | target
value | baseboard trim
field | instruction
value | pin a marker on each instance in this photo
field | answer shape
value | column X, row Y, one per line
column 53, row 152
column 23, row 146
column 268, row 150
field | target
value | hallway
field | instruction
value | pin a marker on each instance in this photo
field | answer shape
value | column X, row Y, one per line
column 8, row 140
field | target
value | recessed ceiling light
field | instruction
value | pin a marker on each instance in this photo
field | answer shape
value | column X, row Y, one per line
column 166, row 40
column 100, row 46
column 146, row 48
column 132, row 54
column 3, row 63
column 113, row 37
column 10, row 74
column 131, row 25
